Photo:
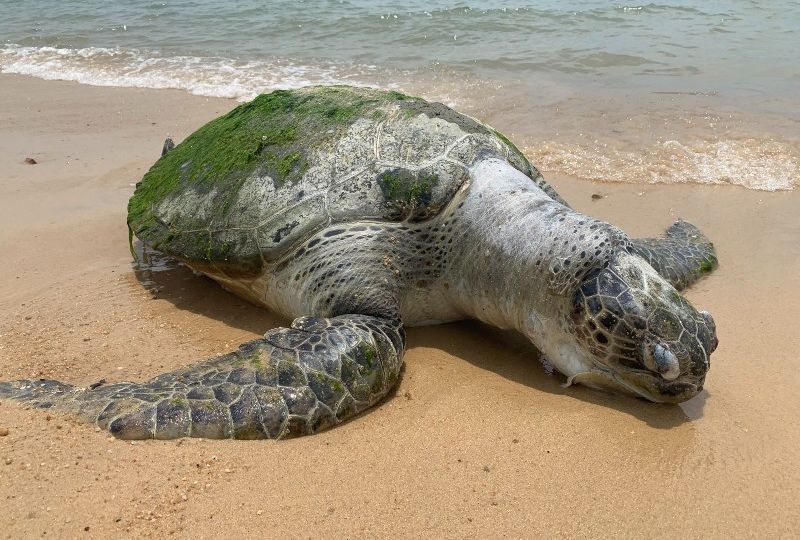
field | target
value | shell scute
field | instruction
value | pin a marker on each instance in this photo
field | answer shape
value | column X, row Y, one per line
column 356, row 195
column 416, row 141
column 293, row 224
column 470, row 148
column 356, row 149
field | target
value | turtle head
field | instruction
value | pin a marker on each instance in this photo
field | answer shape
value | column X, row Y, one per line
column 640, row 335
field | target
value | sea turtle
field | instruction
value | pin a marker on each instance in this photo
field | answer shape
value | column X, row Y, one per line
column 356, row 212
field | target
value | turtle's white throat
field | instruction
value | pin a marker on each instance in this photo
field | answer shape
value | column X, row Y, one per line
column 562, row 351
column 559, row 347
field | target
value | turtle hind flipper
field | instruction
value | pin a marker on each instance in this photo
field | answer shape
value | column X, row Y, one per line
column 42, row 393
column 682, row 256
column 84, row 403
column 294, row 381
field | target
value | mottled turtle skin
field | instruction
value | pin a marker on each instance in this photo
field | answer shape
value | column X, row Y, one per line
column 357, row 212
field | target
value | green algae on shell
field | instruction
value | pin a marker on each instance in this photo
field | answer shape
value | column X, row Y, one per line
column 247, row 186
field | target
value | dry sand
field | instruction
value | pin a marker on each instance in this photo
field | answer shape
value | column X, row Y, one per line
column 477, row 441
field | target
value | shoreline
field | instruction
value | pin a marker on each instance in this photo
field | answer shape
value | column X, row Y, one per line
column 540, row 460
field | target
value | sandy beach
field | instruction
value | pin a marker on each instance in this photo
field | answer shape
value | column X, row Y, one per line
column 476, row 441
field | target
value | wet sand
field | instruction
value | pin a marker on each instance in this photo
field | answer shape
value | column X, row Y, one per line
column 477, row 441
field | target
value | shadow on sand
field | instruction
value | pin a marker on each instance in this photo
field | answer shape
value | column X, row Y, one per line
column 510, row 355
column 505, row 353
column 178, row 284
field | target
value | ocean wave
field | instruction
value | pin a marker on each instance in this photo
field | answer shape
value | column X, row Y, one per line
column 206, row 76
column 751, row 163
column 755, row 163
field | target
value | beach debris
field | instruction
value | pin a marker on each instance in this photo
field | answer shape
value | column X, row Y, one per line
column 597, row 196
column 30, row 161
column 3, row 431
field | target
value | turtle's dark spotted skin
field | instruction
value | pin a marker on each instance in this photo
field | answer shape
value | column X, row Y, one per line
column 357, row 212
column 682, row 256
column 652, row 337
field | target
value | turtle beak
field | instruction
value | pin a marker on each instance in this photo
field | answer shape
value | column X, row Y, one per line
column 713, row 327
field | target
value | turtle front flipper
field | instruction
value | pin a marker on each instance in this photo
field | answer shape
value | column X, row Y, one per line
column 682, row 256
column 293, row 381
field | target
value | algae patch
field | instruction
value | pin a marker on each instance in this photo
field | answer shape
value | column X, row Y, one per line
column 270, row 137
column 511, row 145
column 407, row 187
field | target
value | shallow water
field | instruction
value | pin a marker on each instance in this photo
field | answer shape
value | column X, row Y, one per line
column 675, row 91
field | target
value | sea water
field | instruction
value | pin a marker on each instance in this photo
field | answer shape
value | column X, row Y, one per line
column 673, row 91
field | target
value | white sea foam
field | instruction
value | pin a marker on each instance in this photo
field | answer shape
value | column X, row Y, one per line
column 751, row 163
column 206, row 76
column 748, row 162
